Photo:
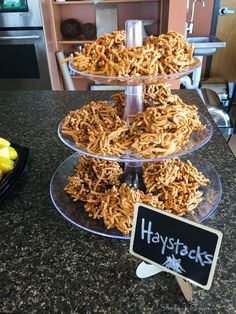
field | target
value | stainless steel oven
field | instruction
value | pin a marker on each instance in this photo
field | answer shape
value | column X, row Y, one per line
column 20, row 13
column 23, row 56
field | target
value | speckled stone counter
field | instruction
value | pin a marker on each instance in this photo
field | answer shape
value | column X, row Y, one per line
column 48, row 265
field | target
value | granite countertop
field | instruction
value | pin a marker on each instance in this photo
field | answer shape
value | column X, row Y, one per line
column 48, row 265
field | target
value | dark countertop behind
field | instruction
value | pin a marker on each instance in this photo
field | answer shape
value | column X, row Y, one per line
column 49, row 265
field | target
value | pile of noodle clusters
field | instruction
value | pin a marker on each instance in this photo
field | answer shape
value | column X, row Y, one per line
column 160, row 130
column 176, row 54
column 171, row 186
column 108, row 56
column 92, row 176
column 153, row 95
column 116, row 206
column 98, row 128
column 175, row 183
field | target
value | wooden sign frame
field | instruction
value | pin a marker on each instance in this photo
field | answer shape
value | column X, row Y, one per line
column 182, row 221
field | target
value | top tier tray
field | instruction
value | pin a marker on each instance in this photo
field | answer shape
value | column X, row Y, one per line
column 142, row 80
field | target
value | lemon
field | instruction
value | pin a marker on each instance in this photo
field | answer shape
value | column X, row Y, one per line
column 1, row 174
column 6, row 164
column 13, row 153
column 4, row 152
column 4, row 143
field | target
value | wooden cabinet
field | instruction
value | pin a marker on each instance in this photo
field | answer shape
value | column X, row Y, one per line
column 164, row 12
column 85, row 12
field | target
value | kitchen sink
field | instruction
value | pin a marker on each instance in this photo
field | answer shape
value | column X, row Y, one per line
column 206, row 46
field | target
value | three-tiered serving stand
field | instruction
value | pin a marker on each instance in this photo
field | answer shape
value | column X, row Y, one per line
column 74, row 211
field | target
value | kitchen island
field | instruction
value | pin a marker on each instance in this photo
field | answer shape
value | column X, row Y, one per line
column 48, row 265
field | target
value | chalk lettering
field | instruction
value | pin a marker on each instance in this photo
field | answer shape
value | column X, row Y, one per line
column 192, row 254
column 164, row 241
column 171, row 246
column 208, row 258
column 177, row 244
column 148, row 231
column 179, row 248
column 184, row 251
column 156, row 239
column 199, row 256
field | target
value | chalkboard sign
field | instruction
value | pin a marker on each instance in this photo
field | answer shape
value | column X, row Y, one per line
column 175, row 244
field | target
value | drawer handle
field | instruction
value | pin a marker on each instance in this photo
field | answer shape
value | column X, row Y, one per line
column 19, row 37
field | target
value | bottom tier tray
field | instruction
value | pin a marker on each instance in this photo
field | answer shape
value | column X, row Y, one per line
column 74, row 211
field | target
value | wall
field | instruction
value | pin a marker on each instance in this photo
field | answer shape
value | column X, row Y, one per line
column 173, row 16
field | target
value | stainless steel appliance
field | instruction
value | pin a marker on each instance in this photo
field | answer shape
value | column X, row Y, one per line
column 23, row 57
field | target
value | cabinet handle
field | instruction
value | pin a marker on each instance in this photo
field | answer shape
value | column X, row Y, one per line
column 225, row 10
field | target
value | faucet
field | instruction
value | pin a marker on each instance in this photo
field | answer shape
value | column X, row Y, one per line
column 190, row 25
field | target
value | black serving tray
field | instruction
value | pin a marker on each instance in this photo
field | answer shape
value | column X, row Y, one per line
column 8, row 182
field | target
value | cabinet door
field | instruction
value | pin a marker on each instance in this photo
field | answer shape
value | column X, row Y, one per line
column 224, row 61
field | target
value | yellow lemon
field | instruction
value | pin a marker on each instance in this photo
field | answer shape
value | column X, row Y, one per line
column 6, row 164
column 1, row 174
column 4, row 152
column 13, row 153
column 4, row 142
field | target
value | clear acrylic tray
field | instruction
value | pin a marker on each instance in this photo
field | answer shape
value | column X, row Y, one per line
column 142, row 80
column 74, row 211
column 197, row 140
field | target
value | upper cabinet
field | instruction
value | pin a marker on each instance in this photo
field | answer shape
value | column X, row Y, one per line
column 70, row 24
column 104, row 16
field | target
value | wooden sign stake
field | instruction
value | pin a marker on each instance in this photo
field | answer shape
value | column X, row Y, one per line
column 186, row 288
column 145, row 270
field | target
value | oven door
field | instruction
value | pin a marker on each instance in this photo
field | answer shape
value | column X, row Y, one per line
column 13, row 6
column 23, row 60
column 20, row 13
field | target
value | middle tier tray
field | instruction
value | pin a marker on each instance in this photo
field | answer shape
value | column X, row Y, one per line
column 197, row 140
